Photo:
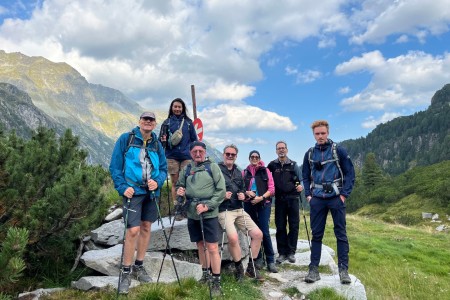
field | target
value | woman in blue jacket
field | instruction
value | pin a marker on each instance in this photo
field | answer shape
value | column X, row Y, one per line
column 177, row 152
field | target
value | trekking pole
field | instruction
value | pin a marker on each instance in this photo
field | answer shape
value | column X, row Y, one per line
column 249, row 241
column 304, row 217
column 204, row 252
column 224, row 230
column 167, row 241
column 123, row 245
column 168, row 197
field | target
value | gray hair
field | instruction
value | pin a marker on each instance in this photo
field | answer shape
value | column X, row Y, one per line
column 281, row 142
column 231, row 146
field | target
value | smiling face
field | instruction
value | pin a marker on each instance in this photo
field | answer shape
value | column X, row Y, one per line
column 282, row 150
column 254, row 159
column 147, row 124
column 198, row 154
column 229, row 156
column 321, row 134
column 177, row 108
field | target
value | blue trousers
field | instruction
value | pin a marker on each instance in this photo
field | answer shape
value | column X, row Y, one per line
column 318, row 214
column 260, row 214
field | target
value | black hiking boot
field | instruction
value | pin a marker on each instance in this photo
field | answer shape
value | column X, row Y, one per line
column 281, row 258
column 259, row 263
column 313, row 274
column 291, row 258
column 239, row 273
column 272, row 268
column 216, row 290
column 205, row 277
column 141, row 274
column 253, row 273
column 125, row 281
column 344, row 277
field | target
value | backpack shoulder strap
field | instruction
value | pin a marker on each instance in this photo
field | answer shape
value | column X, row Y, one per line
column 336, row 158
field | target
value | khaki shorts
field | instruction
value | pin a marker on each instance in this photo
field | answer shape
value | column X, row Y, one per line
column 174, row 166
column 235, row 217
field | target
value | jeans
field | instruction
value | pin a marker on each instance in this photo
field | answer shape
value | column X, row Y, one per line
column 318, row 214
column 287, row 211
column 260, row 214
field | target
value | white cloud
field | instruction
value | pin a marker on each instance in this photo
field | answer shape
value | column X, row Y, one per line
column 344, row 90
column 372, row 122
column 306, row 76
column 405, row 80
column 402, row 39
column 232, row 91
column 378, row 19
column 236, row 118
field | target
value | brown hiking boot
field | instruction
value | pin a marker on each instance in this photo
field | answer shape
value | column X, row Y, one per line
column 253, row 273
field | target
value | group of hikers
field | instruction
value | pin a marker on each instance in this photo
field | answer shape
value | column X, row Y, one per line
column 220, row 198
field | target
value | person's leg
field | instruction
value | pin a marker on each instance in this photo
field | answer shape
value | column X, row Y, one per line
column 263, row 224
column 280, row 223
column 318, row 217
column 134, row 220
column 130, row 245
column 143, row 240
column 293, row 214
column 337, row 208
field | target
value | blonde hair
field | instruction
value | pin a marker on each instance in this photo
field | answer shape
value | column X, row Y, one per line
column 320, row 123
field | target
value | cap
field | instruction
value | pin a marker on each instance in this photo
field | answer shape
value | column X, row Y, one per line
column 253, row 151
column 197, row 143
column 148, row 114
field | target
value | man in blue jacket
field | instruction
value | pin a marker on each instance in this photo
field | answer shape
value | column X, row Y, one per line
column 138, row 168
column 328, row 177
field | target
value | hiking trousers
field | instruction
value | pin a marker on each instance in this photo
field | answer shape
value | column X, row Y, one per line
column 287, row 212
column 318, row 215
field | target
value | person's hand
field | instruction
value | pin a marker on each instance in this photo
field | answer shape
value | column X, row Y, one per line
column 163, row 138
column 152, row 185
column 299, row 188
column 201, row 208
column 228, row 195
column 129, row 192
column 308, row 198
column 181, row 191
column 342, row 198
column 256, row 200
column 250, row 194
column 241, row 196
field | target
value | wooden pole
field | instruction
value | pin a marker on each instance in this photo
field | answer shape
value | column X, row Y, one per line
column 194, row 104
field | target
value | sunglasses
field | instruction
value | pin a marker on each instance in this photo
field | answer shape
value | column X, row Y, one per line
column 254, row 157
column 230, row 154
column 148, row 119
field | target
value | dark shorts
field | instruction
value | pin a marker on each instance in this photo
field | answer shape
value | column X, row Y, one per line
column 142, row 208
column 211, row 229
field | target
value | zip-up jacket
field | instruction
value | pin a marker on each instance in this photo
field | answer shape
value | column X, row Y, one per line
column 286, row 177
column 263, row 178
column 233, row 183
column 329, row 172
column 180, row 151
column 126, row 165
column 202, row 187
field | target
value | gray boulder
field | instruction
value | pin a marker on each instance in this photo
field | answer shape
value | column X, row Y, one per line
column 99, row 282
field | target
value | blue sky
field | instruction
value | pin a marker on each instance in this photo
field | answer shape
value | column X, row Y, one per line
column 263, row 71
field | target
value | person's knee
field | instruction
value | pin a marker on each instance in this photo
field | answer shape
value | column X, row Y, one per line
column 256, row 234
column 133, row 231
column 145, row 227
column 233, row 240
column 212, row 247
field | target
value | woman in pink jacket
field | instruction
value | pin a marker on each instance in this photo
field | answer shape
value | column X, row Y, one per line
column 259, row 191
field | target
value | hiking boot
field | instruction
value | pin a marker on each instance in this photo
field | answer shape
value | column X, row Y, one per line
column 141, row 274
column 216, row 290
column 259, row 263
column 345, row 278
column 125, row 281
column 272, row 268
column 281, row 258
column 313, row 274
column 239, row 273
column 291, row 258
column 205, row 277
column 253, row 273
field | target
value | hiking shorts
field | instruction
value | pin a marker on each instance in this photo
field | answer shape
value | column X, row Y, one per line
column 237, row 217
column 210, row 227
column 174, row 166
column 142, row 208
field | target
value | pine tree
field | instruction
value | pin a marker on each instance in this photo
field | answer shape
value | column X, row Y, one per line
column 11, row 262
column 371, row 172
